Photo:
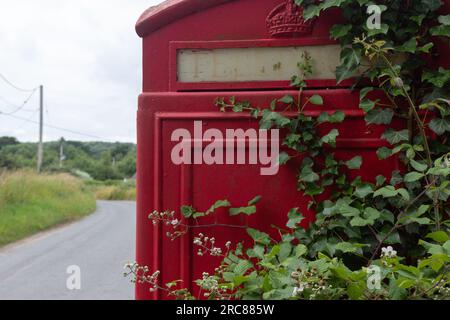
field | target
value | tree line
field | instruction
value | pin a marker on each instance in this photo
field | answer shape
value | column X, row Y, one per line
column 99, row 160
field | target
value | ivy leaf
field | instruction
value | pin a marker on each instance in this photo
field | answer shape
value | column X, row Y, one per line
column 313, row 189
column 390, row 191
column 426, row 48
column 283, row 158
column 271, row 118
column 380, row 180
column 384, row 28
column 323, row 117
column 254, row 201
column 367, row 105
column 445, row 20
column 311, row 11
column 437, row 78
column 217, row 205
column 443, row 29
column 316, row 99
column 336, row 117
column 331, row 3
column 348, row 247
column 364, row 92
column 291, row 140
column 295, row 217
column 258, row 236
column 368, row 218
column 350, row 60
column 363, row 190
column 413, row 176
column 346, row 210
column 418, row 19
column 394, row 137
column 243, row 210
column 340, row 30
column 440, row 126
column 379, row 116
column 354, row 163
column 330, row 138
column 384, row 153
column 308, row 175
column 410, row 46
column 187, row 211
column 300, row 250
column 287, row 99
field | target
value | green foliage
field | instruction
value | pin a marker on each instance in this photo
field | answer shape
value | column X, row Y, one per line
column 101, row 160
column 393, row 227
column 30, row 203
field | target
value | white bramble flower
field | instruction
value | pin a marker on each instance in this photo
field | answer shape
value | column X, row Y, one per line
column 216, row 251
column 228, row 244
column 175, row 222
column 156, row 273
column 388, row 252
column 298, row 290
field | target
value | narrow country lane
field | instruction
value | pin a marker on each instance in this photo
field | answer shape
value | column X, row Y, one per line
column 99, row 245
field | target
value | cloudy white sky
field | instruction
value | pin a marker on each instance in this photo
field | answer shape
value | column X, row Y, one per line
column 88, row 57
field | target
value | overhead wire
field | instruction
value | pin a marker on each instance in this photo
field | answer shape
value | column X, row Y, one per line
column 29, row 120
column 55, row 127
column 20, row 107
column 15, row 86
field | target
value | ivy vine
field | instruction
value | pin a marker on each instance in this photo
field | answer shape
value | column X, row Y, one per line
column 396, row 225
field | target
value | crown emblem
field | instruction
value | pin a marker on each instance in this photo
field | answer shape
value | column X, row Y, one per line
column 287, row 19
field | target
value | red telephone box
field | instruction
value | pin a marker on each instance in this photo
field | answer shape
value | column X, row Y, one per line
column 196, row 51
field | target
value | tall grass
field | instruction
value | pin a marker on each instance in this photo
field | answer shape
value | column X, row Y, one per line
column 30, row 203
column 114, row 190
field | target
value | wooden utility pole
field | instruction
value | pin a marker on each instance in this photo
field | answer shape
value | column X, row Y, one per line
column 61, row 152
column 40, row 152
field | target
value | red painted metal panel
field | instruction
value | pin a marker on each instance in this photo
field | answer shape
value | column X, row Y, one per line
column 165, row 105
column 163, row 185
column 222, row 21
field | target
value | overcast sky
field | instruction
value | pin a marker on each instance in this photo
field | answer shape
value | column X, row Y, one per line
column 88, row 57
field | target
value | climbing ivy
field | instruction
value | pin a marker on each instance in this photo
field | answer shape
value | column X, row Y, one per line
column 381, row 239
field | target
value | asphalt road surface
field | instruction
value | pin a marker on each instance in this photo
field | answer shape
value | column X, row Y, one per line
column 99, row 245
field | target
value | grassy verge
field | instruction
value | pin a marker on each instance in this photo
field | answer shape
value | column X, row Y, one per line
column 30, row 203
column 114, row 190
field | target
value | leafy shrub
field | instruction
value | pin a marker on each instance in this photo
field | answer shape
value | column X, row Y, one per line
column 383, row 239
